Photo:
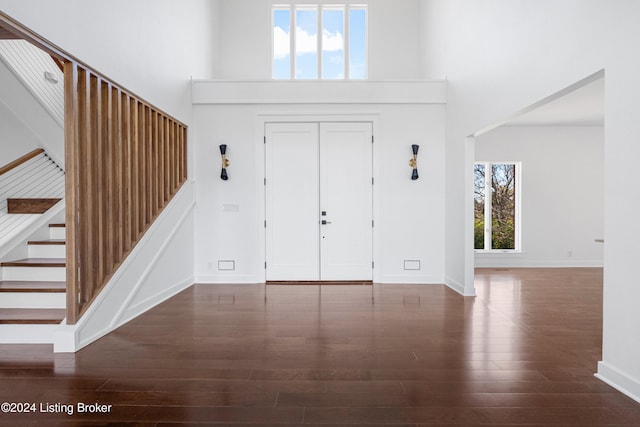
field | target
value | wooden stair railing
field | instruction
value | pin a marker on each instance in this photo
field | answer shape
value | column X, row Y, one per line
column 125, row 161
column 21, row 160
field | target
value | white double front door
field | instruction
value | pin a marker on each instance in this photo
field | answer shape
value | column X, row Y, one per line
column 319, row 201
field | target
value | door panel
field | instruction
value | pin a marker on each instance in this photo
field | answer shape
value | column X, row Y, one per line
column 311, row 169
column 346, row 197
column 292, row 201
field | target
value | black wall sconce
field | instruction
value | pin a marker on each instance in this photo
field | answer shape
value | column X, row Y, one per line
column 414, row 162
column 225, row 162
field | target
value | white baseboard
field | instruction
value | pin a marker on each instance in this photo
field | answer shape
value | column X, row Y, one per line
column 459, row 287
column 619, row 380
column 228, row 280
column 412, row 279
column 487, row 261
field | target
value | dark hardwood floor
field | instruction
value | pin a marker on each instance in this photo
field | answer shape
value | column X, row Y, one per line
column 522, row 353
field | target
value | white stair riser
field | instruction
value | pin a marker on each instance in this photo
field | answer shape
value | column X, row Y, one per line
column 54, row 274
column 57, row 233
column 28, row 334
column 32, row 300
column 47, row 251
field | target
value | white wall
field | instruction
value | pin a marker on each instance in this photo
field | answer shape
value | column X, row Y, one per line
column 502, row 56
column 408, row 214
column 25, row 125
column 245, row 39
column 562, row 185
column 151, row 47
column 16, row 139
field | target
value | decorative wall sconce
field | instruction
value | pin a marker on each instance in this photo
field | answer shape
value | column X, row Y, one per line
column 225, row 162
column 414, row 162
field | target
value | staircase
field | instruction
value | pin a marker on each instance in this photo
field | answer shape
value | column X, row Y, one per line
column 32, row 290
column 29, row 185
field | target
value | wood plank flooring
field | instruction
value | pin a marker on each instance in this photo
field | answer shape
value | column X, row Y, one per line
column 522, row 353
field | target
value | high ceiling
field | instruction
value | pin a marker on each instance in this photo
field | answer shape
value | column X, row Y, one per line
column 582, row 107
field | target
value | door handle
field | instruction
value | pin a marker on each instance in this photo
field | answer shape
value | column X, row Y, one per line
column 325, row 222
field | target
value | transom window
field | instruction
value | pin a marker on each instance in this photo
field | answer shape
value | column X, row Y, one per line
column 496, row 206
column 329, row 42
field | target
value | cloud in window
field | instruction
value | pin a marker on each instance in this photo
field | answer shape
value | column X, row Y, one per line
column 332, row 42
column 305, row 42
column 280, row 43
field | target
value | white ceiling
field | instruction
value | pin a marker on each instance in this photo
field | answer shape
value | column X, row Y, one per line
column 581, row 107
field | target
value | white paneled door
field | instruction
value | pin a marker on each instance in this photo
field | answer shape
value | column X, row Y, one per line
column 319, row 201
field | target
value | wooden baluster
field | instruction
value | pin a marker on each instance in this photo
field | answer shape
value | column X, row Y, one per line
column 170, row 159
column 86, row 209
column 185, row 159
column 97, row 183
column 155, row 190
column 149, row 177
column 107, row 167
column 71, row 187
column 134, row 207
column 142, row 172
column 160, row 194
column 167, row 161
column 174, row 157
column 178, row 155
column 126, row 175
column 117, row 175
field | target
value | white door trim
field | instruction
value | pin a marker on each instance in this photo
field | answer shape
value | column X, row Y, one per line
column 291, row 117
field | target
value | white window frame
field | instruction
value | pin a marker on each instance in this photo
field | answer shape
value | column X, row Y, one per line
column 319, row 7
column 487, row 207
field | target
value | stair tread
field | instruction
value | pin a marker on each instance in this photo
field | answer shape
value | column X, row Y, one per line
column 47, row 242
column 31, row 205
column 36, row 262
column 32, row 315
column 32, row 286
column 57, row 225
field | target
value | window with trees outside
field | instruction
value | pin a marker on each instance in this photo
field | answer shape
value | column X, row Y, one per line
column 496, row 206
column 326, row 42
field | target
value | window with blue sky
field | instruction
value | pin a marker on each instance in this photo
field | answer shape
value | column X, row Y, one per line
column 329, row 42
